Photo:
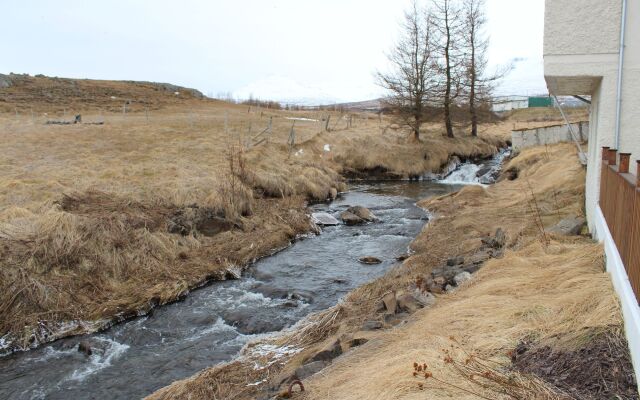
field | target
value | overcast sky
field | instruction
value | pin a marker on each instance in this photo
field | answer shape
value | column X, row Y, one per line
column 280, row 49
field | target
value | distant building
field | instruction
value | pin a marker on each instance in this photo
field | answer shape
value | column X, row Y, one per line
column 540, row 101
column 508, row 103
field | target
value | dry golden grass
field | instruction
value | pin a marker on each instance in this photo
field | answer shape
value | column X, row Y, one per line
column 394, row 152
column 136, row 171
column 36, row 95
column 535, row 292
column 130, row 176
column 543, row 287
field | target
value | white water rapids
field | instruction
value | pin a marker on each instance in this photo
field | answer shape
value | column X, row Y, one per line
column 469, row 173
column 465, row 174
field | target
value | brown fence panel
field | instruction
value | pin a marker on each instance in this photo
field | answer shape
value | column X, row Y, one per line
column 620, row 205
column 624, row 216
column 617, row 224
column 633, row 250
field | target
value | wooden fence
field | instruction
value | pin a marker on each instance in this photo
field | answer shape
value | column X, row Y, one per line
column 620, row 204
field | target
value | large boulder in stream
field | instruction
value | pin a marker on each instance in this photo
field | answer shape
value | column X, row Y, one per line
column 350, row 218
column 85, row 347
column 488, row 174
column 370, row 260
column 357, row 215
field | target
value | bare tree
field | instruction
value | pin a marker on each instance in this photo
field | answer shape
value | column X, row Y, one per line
column 447, row 24
column 477, row 83
column 411, row 81
column 477, row 62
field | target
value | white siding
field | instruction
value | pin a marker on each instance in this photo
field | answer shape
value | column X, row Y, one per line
column 581, row 55
column 581, row 27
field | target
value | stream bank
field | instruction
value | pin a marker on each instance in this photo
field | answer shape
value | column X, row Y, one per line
column 536, row 288
column 175, row 341
column 214, row 322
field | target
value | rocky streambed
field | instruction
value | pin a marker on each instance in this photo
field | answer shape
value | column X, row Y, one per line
column 213, row 323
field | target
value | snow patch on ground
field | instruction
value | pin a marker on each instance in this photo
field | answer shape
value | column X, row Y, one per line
column 301, row 119
column 271, row 353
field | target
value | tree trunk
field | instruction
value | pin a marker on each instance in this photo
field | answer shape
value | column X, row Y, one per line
column 472, row 92
column 447, row 92
column 418, row 123
column 474, row 119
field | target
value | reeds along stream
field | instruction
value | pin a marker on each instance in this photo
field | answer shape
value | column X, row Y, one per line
column 212, row 324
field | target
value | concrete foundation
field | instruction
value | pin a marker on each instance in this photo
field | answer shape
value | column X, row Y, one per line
column 524, row 138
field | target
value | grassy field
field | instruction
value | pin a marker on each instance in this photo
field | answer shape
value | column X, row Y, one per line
column 101, row 222
column 86, row 210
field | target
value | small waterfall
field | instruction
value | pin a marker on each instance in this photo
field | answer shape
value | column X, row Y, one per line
column 465, row 174
column 477, row 174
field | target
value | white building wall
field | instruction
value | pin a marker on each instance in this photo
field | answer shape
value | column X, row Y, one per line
column 507, row 104
column 581, row 56
column 594, row 155
column 581, row 27
column 630, row 116
column 603, row 68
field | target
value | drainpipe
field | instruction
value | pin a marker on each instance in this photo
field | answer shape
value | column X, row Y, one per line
column 582, row 156
column 620, row 63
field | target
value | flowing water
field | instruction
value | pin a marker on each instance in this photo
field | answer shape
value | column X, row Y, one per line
column 482, row 173
column 212, row 324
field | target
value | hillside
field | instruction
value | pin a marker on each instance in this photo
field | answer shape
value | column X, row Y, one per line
column 41, row 94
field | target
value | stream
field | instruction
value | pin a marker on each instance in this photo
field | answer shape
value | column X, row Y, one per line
column 213, row 323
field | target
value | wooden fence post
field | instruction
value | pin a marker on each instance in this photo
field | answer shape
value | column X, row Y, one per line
column 612, row 156
column 623, row 167
column 248, row 144
column 292, row 138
